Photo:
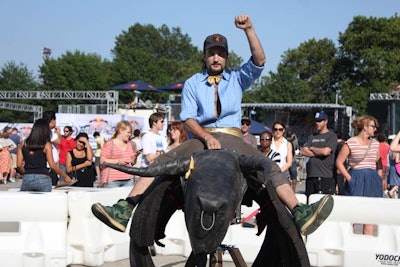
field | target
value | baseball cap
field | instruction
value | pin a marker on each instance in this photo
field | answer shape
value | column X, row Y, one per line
column 215, row 40
column 246, row 119
column 320, row 116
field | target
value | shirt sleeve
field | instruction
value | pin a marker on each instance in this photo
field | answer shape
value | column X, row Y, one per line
column 188, row 101
column 332, row 143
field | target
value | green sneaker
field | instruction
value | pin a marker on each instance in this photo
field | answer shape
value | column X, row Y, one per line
column 309, row 217
column 116, row 217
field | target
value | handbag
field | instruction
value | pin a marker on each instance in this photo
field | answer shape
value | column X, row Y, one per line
column 73, row 175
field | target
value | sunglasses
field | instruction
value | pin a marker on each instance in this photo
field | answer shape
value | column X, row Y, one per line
column 246, row 123
column 278, row 129
column 265, row 139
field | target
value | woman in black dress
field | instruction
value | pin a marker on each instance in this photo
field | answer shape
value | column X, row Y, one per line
column 79, row 161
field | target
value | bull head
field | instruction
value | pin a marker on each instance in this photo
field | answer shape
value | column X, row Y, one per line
column 213, row 190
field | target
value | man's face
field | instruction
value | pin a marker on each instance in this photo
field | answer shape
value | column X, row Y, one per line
column 67, row 132
column 245, row 126
column 321, row 125
column 215, row 59
column 159, row 124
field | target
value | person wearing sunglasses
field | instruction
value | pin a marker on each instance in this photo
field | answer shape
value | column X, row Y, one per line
column 363, row 155
column 247, row 136
column 79, row 161
column 320, row 148
column 211, row 112
column 265, row 147
column 153, row 143
column 67, row 144
column 283, row 146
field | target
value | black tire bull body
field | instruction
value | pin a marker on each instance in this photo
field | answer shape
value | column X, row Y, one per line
column 209, row 186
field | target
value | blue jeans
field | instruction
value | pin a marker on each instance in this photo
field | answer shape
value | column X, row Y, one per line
column 121, row 183
column 293, row 170
column 63, row 167
column 36, row 182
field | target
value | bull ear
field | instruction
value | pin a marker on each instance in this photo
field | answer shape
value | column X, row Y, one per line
column 253, row 164
column 174, row 167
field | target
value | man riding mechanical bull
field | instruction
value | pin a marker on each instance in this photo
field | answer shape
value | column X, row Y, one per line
column 211, row 111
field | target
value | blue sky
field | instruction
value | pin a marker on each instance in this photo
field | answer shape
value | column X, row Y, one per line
column 91, row 26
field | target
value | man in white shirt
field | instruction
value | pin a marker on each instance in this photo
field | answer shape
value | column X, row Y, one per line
column 153, row 143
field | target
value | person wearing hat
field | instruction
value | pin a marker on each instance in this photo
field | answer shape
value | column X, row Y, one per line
column 320, row 148
column 211, row 111
column 247, row 136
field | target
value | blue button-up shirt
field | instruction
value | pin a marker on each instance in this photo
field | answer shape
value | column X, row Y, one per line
column 198, row 96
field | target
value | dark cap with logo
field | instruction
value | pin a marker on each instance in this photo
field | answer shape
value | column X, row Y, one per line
column 215, row 40
column 320, row 116
column 246, row 119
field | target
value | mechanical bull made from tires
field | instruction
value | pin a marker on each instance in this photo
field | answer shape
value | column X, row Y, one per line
column 209, row 186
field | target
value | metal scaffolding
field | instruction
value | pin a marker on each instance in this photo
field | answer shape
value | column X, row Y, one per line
column 111, row 98
column 37, row 110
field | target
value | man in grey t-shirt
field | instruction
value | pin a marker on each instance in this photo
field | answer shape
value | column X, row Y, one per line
column 320, row 148
column 245, row 129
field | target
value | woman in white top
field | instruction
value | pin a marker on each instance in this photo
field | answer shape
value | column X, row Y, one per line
column 283, row 146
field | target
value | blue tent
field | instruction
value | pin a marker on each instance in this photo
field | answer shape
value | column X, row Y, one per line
column 257, row 128
column 172, row 87
column 136, row 86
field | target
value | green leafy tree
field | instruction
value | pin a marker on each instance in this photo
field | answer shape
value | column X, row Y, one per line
column 369, row 59
column 16, row 77
column 75, row 71
column 234, row 61
column 304, row 75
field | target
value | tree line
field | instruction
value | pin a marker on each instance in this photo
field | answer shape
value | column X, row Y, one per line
column 366, row 60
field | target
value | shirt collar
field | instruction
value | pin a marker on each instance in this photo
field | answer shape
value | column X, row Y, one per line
column 224, row 76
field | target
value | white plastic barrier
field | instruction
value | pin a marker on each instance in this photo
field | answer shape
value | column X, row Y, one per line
column 90, row 242
column 176, row 239
column 335, row 243
column 33, row 229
